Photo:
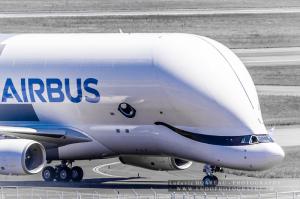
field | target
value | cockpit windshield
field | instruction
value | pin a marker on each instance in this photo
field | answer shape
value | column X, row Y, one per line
column 264, row 138
column 221, row 140
column 256, row 139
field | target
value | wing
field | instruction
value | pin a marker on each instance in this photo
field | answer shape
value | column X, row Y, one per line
column 49, row 136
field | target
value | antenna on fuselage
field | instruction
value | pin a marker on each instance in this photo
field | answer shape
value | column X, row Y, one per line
column 271, row 131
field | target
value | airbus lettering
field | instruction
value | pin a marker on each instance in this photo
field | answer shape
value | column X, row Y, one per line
column 50, row 90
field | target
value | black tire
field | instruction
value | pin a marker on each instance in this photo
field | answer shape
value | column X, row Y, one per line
column 48, row 174
column 207, row 181
column 63, row 174
column 76, row 174
column 215, row 181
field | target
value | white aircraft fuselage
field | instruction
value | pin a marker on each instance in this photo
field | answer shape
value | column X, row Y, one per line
column 175, row 95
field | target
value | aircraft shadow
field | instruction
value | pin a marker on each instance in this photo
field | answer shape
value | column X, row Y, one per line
column 108, row 183
column 105, row 183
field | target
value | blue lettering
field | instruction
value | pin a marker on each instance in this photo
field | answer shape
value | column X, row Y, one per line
column 39, row 92
column 23, row 87
column 78, row 98
column 9, row 91
column 55, row 90
column 35, row 90
column 91, row 90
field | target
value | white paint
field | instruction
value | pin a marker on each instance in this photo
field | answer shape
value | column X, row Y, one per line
column 271, row 61
column 98, row 168
column 176, row 12
column 278, row 90
column 287, row 136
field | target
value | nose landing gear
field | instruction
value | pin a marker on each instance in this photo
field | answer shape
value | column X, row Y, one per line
column 211, row 180
column 63, row 173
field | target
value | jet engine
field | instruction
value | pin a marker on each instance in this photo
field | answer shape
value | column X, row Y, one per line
column 21, row 156
column 155, row 162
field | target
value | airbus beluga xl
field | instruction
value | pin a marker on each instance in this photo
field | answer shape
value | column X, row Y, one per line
column 157, row 101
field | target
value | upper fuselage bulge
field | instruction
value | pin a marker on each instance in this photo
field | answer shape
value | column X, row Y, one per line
column 181, row 79
column 210, row 89
column 144, row 83
column 208, row 86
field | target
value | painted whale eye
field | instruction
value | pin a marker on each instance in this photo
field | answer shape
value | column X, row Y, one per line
column 123, row 105
column 127, row 110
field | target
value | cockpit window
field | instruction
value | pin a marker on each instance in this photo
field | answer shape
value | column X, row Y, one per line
column 255, row 139
column 264, row 138
column 221, row 140
column 246, row 139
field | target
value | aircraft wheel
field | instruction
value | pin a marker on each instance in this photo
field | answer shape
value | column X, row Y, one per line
column 215, row 180
column 207, row 181
column 48, row 174
column 210, row 181
column 63, row 174
column 76, row 174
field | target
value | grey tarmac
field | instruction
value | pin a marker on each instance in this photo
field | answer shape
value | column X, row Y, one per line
column 175, row 12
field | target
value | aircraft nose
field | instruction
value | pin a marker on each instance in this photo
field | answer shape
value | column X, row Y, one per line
column 269, row 155
column 276, row 153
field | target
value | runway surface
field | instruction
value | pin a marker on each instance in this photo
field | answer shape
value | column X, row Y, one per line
column 175, row 12
column 110, row 176
column 287, row 135
column 272, row 57
column 278, row 90
column 114, row 176
column 269, row 56
column 266, row 29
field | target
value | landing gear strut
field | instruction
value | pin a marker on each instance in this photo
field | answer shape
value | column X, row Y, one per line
column 211, row 180
column 63, row 172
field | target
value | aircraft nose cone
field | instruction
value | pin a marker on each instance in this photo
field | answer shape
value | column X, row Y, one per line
column 277, row 153
column 274, row 155
column 268, row 155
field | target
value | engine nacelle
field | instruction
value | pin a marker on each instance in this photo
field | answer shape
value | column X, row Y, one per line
column 21, row 156
column 155, row 162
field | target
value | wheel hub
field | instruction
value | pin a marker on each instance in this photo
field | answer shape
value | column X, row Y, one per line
column 74, row 174
column 63, row 174
column 47, row 174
